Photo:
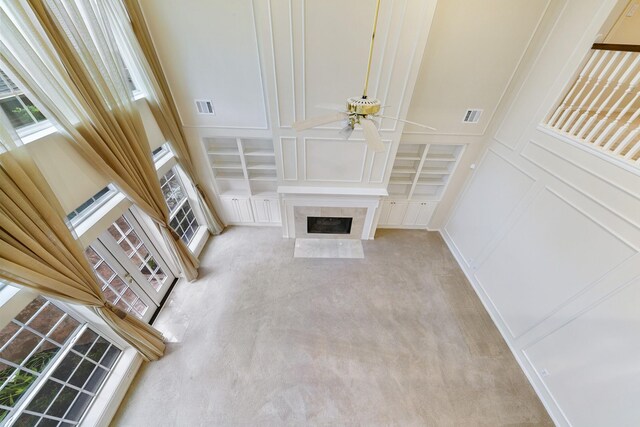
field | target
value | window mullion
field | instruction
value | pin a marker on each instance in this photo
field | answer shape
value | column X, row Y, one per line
column 46, row 374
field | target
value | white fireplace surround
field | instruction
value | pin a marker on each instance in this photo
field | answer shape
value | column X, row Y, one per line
column 300, row 202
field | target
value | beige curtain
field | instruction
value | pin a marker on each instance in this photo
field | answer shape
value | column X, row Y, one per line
column 38, row 251
column 161, row 102
column 66, row 56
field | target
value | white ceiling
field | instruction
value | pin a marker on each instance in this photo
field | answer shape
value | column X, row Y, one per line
column 266, row 63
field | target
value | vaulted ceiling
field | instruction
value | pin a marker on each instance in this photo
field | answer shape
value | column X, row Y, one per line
column 266, row 63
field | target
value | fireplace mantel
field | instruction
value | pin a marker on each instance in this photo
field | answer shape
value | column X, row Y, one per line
column 365, row 200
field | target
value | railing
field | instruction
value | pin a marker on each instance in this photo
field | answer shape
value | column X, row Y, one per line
column 602, row 108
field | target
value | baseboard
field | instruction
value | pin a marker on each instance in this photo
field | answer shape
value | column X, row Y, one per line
column 552, row 407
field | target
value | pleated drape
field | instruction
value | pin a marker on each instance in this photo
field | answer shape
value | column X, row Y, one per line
column 161, row 102
column 38, row 251
column 66, row 55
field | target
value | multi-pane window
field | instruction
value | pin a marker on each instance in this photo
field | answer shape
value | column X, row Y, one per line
column 136, row 250
column 183, row 221
column 51, row 366
column 90, row 205
column 18, row 108
column 114, row 289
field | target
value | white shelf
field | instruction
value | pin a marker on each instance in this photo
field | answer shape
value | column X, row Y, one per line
column 224, row 152
column 408, row 158
column 404, row 170
column 259, row 153
column 263, row 178
column 440, row 158
column 432, row 171
column 261, row 166
column 227, row 165
column 400, row 181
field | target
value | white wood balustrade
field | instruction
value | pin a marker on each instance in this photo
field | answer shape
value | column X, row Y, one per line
column 602, row 108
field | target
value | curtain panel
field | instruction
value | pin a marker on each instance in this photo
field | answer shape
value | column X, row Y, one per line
column 38, row 251
column 66, row 56
column 161, row 102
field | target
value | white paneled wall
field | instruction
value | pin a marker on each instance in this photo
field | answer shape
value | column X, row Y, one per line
column 548, row 232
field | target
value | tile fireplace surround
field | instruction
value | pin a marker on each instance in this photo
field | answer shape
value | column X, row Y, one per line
column 301, row 202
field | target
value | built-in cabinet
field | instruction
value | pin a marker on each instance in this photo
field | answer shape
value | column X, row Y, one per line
column 418, row 180
column 245, row 177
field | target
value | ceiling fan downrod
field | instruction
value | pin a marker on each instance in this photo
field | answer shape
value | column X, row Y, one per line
column 373, row 36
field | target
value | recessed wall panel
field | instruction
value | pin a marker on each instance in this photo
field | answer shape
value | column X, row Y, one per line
column 552, row 252
column 334, row 160
column 494, row 192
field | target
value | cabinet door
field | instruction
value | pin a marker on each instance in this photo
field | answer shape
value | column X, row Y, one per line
column 424, row 213
column 274, row 211
column 229, row 209
column 261, row 210
column 385, row 211
column 243, row 206
column 410, row 217
column 397, row 211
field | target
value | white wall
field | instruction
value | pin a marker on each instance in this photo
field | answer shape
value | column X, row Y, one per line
column 69, row 175
column 548, row 232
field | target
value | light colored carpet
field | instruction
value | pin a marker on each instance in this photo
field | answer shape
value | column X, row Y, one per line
column 264, row 339
column 328, row 248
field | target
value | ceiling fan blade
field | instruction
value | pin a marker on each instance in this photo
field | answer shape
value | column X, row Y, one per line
column 312, row 122
column 346, row 131
column 406, row 121
column 371, row 135
column 332, row 107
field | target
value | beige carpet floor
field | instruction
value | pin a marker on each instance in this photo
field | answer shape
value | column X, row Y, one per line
column 398, row 338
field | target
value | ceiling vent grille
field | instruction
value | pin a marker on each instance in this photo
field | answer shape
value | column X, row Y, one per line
column 472, row 116
column 205, row 106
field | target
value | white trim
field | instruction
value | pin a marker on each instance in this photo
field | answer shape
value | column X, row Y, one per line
column 95, row 224
column 528, row 369
column 197, row 243
column 108, row 400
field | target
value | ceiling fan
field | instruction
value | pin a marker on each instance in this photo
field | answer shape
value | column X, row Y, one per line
column 359, row 110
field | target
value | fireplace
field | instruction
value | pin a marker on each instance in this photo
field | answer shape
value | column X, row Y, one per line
column 328, row 225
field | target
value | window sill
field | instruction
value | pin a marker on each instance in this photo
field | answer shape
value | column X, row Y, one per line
column 90, row 227
column 109, row 398
column 198, row 241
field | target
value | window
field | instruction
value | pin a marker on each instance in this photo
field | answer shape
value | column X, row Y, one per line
column 159, row 152
column 93, row 203
column 135, row 249
column 183, row 221
column 18, row 108
column 51, row 366
column 114, row 289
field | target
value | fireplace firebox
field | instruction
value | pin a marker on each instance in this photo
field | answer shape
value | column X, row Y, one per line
column 328, row 225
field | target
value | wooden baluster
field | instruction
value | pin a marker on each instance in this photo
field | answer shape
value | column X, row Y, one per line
column 614, row 124
column 621, row 81
column 623, row 129
column 613, row 108
column 607, row 62
column 593, row 105
column 570, row 99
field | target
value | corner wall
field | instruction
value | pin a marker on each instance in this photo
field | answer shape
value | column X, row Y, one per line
column 548, row 233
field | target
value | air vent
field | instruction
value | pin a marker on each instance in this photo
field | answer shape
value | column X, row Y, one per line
column 205, row 106
column 472, row 116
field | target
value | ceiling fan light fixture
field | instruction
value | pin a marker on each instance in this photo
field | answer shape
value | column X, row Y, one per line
column 363, row 106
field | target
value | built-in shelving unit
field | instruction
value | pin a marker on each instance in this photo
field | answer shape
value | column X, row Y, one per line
column 243, row 167
column 246, row 179
column 419, row 178
column 422, row 171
